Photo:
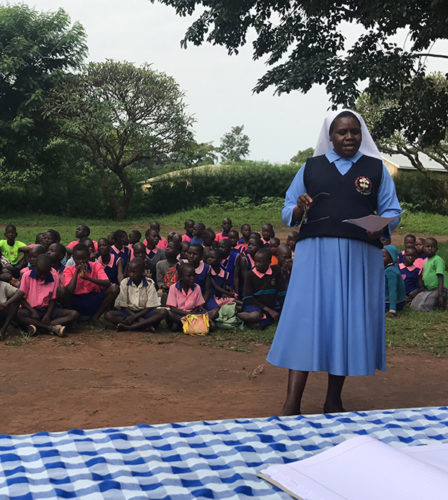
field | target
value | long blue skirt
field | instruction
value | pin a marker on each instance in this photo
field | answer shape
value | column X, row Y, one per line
column 333, row 316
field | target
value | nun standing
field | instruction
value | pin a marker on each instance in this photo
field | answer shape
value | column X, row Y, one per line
column 333, row 317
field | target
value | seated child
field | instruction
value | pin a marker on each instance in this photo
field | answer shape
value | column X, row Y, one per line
column 291, row 241
column 184, row 247
column 138, row 302
column 10, row 247
column 40, row 286
column 112, row 265
column 92, row 254
column 273, row 246
column 433, row 283
column 220, row 292
column 140, row 252
column 267, row 232
column 163, row 242
column 81, row 232
column 86, row 286
column 284, row 257
column 10, row 298
column 198, row 229
column 421, row 256
column 234, row 237
column 226, row 227
column 120, row 247
column 154, row 253
column 184, row 297
column 208, row 236
column 410, row 272
column 188, row 226
column 245, row 234
column 229, row 256
column 409, row 241
column 32, row 256
column 56, row 251
column 166, row 270
column 264, row 292
column 245, row 263
column 134, row 237
column 201, row 269
column 395, row 290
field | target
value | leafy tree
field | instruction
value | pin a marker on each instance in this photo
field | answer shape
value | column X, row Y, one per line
column 302, row 156
column 123, row 115
column 411, row 121
column 193, row 154
column 35, row 50
column 234, row 145
column 304, row 42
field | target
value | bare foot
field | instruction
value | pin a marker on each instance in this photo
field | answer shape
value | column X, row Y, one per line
column 334, row 408
column 121, row 327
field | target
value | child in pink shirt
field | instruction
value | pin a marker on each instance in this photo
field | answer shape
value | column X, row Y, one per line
column 87, row 287
column 40, row 286
column 184, row 297
column 81, row 233
column 226, row 227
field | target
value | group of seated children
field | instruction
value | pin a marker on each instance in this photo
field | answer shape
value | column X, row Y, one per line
column 47, row 287
column 415, row 276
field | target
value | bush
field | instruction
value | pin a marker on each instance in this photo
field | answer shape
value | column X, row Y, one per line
column 245, row 183
column 418, row 193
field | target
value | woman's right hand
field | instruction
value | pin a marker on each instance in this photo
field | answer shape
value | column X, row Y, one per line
column 304, row 202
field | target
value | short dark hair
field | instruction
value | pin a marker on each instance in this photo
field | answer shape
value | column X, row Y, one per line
column 198, row 247
column 183, row 267
column 265, row 252
column 80, row 247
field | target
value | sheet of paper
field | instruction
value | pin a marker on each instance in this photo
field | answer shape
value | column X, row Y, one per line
column 364, row 468
column 371, row 222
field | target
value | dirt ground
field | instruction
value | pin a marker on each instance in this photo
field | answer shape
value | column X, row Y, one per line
column 93, row 380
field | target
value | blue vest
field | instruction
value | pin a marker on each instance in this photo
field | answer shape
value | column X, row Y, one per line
column 352, row 195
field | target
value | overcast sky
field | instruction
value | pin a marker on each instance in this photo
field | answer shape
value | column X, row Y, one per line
column 217, row 87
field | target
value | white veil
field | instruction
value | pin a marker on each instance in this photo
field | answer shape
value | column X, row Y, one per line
column 368, row 147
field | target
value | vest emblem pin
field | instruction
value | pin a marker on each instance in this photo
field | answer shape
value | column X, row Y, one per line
column 363, row 185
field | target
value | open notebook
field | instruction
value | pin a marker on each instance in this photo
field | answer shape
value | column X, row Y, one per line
column 364, row 468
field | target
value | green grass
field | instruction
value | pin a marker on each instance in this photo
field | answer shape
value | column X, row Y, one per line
column 424, row 223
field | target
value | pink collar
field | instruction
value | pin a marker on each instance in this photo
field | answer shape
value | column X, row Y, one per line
column 260, row 275
column 221, row 273
column 200, row 268
column 154, row 250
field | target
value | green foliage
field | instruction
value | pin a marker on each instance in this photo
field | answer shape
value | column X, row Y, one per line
column 304, row 43
column 35, row 50
column 249, row 180
column 302, row 155
column 234, row 145
column 423, row 193
column 120, row 115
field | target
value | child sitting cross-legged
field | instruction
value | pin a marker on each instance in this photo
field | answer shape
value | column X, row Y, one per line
column 40, row 285
column 86, row 286
column 264, row 292
column 184, row 297
column 138, row 302
column 166, row 270
column 433, row 284
column 395, row 288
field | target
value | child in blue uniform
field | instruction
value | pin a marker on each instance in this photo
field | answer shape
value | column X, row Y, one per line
column 201, row 269
column 264, row 292
column 395, row 289
column 410, row 272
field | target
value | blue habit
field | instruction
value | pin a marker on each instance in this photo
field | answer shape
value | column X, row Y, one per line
column 333, row 315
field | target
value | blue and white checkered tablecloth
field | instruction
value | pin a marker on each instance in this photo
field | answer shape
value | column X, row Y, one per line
column 214, row 459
